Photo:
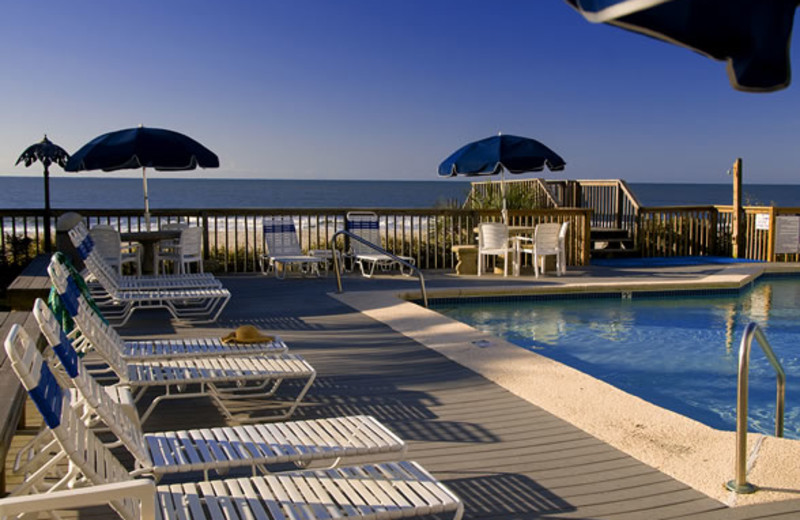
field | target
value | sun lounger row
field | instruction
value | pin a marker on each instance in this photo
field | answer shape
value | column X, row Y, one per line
column 80, row 308
column 375, row 491
column 385, row 490
column 188, row 297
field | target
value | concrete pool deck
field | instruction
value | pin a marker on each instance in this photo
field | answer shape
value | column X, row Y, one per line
column 687, row 450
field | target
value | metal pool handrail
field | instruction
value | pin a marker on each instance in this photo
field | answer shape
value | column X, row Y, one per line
column 336, row 267
column 739, row 484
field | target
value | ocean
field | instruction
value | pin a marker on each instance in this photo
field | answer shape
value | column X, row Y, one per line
column 188, row 192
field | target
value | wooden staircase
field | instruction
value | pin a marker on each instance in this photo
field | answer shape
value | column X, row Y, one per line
column 612, row 243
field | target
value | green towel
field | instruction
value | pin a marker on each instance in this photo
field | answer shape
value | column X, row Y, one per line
column 57, row 306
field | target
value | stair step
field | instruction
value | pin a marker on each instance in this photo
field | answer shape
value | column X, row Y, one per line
column 615, row 253
column 605, row 234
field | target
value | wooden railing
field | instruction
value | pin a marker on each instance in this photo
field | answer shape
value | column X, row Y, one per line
column 678, row 231
column 234, row 241
column 614, row 204
column 537, row 193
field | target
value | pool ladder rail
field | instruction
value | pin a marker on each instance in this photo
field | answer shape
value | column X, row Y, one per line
column 337, row 269
column 739, row 484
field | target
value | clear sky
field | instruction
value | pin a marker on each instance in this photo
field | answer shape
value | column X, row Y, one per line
column 382, row 89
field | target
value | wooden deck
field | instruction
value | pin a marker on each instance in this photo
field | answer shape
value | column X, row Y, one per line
column 505, row 457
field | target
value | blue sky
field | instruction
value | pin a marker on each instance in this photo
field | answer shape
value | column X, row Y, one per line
column 382, row 89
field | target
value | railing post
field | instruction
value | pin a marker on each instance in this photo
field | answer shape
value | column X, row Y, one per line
column 206, row 247
column 738, row 239
column 713, row 218
column 618, row 208
column 773, row 213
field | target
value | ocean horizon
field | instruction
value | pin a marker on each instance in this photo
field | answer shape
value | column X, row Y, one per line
column 196, row 193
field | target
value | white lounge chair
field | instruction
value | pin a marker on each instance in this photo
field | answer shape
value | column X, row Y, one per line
column 214, row 449
column 375, row 491
column 86, row 318
column 197, row 305
column 283, row 249
column 364, row 224
column 223, row 379
column 493, row 241
column 81, row 239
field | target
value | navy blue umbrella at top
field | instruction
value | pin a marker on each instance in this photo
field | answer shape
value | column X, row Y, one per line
column 752, row 36
column 164, row 150
column 494, row 155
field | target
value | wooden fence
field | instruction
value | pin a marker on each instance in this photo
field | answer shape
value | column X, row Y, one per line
column 234, row 241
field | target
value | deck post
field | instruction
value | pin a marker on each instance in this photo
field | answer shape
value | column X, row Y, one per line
column 773, row 213
column 618, row 206
column 738, row 238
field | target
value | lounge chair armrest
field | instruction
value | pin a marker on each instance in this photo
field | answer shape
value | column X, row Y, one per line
column 143, row 490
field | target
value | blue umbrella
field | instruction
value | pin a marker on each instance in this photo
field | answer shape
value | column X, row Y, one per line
column 494, row 155
column 143, row 148
column 752, row 36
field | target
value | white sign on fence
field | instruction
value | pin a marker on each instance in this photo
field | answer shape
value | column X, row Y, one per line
column 787, row 235
column 762, row 222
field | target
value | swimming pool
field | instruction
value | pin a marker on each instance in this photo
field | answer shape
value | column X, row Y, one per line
column 676, row 350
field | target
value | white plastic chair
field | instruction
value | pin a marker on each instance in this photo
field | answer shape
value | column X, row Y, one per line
column 404, row 488
column 283, row 249
column 186, row 251
column 546, row 243
column 109, row 246
column 493, row 241
column 562, row 247
column 365, row 225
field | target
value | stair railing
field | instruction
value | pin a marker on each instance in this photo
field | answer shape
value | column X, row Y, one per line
column 739, row 484
column 337, row 268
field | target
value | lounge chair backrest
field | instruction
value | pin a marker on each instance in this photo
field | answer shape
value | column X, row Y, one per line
column 102, row 336
column 280, row 237
column 364, row 224
column 492, row 236
column 107, row 276
column 86, row 451
column 109, row 410
column 545, row 238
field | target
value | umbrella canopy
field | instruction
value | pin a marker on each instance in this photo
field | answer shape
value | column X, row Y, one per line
column 494, row 155
column 752, row 36
column 143, row 148
column 47, row 153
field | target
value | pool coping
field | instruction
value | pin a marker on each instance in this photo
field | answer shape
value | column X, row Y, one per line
column 683, row 448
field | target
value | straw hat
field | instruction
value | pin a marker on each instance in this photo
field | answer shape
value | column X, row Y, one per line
column 246, row 334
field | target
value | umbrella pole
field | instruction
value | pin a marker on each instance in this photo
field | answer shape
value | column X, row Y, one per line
column 146, row 200
column 47, row 245
column 504, row 211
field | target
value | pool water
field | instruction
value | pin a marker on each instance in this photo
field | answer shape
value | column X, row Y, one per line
column 678, row 352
